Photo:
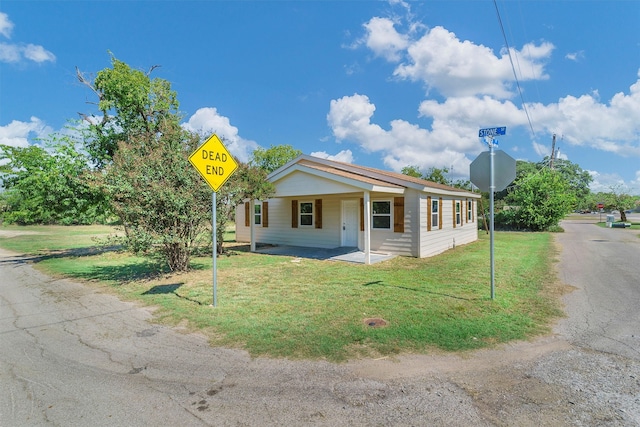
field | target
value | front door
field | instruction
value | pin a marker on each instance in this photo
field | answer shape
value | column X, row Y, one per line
column 350, row 223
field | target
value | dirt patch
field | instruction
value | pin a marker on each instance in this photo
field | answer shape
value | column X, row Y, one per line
column 375, row 322
column 7, row 234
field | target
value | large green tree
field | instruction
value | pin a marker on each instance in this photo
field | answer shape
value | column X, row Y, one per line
column 49, row 184
column 164, row 206
column 619, row 199
column 538, row 201
column 131, row 105
column 142, row 154
column 577, row 178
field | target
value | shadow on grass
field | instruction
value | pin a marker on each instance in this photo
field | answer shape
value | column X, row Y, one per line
column 170, row 289
column 381, row 283
column 120, row 273
column 72, row 253
column 163, row 289
column 143, row 269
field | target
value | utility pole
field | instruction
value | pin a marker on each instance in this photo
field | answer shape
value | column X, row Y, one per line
column 553, row 152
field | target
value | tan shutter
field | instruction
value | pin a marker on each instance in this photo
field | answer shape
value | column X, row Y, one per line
column 453, row 203
column 440, row 213
column 428, row 213
column 473, row 211
column 318, row 213
column 361, row 214
column 247, row 214
column 398, row 214
column 466, row 210
column 294, row 214
column 265, row 214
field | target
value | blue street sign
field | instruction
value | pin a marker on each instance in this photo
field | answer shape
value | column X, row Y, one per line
column 492, row 131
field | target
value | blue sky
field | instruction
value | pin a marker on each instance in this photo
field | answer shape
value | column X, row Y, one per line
column 380, row 84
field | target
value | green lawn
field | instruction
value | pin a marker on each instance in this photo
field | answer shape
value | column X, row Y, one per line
column 284, row 307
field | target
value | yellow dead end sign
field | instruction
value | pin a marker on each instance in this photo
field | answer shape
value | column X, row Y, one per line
column 214, row 163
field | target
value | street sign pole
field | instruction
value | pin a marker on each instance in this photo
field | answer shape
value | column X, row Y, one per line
column 492, row 189
column 502, row 171
column 215, row 249
column 215, row 164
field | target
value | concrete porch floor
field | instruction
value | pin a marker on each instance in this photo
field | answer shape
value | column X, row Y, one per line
column 344, row 254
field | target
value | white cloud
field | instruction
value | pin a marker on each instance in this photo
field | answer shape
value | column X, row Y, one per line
column 462, row 68
column 584, row 121
column 605, row 182
column 38, row 54
column 575, row 56
column 206, row 121
column 6, row 26
column 453, row 67
column 17, row 133
column 16, row 52
column 402, row 145
column 9, row 53
column 383, row 39
column 345, row 156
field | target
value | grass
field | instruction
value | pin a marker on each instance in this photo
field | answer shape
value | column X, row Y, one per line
column 285, row 307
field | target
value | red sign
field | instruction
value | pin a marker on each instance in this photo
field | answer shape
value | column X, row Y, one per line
column 600, row 206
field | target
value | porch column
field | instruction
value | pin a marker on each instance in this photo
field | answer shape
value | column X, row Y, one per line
column 252, row 225
column 367, row 228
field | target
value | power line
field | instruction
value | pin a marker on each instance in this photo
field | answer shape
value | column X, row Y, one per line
column 513, row 68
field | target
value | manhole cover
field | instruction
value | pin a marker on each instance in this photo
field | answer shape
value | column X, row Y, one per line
column 375, row 322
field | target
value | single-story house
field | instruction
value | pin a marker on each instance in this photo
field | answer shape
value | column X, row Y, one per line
column 326, row 204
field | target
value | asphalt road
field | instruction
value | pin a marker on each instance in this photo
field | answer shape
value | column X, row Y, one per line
column 604, row 266
column 71, row 356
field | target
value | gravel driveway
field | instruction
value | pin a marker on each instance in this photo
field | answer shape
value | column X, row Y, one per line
column 71, row 356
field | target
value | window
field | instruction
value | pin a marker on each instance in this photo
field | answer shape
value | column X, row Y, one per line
column 469, row 211
column 306, row 213
column 458, row 214
column 257, row 214
column 434, row 213
column 381, row 215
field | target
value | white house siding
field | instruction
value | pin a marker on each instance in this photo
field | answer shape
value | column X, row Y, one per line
column 299, row 183
column 407, row 242
column 414, row 241
column 280, row 232
column 439, row 240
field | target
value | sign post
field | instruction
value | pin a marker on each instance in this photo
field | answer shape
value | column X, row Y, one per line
column 215, row 164
column 492, row 171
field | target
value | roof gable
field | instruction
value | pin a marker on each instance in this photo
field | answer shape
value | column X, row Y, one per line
column 362, row 177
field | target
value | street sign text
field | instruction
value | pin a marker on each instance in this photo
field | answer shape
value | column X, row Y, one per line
column 213, row 162
column 492, row 131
